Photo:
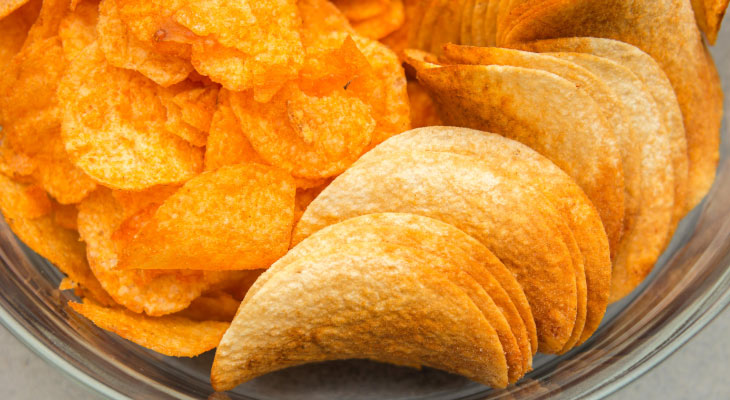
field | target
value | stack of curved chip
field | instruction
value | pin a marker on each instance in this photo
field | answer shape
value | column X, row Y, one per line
column 447, row 212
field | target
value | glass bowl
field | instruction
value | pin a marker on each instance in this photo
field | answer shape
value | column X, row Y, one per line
column 688, row 287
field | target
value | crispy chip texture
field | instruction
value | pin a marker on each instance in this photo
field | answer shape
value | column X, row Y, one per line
column 78, row 28
column 169, row 335
column 460, row 253
column 667, row 31
column 215, row 306
column 514, row 221
column 543, row 111
column 340, row 305
column 124, row 50
column 530, row 168
column 120, row 138
column 382, row 24
column 8, row 6
column 14, row 29
column 237, row 217
column 152, row 292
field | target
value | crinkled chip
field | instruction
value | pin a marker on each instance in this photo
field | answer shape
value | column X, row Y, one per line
column 514, row 221
column 153, row 292
column 124, row 50
column 120, row 138
column 169, row 335
column 190, row 107
column 236, row 217
column 340, row 305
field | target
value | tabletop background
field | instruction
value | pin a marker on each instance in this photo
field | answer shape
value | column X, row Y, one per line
column 699, row 370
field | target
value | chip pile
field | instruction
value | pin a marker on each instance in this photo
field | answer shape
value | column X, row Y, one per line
column 241, row 175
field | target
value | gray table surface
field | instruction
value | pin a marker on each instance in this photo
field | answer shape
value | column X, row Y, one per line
column 699, row 370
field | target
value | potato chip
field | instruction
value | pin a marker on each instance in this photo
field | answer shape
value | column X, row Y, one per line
column 190, row 107
column 133, row 202
column 153, row 292
column 19, row 200
column 260, row 51
column 531, row 169
column 545, row 112
column 643, row 242
column 460, row 253
column 423, row 109
column 65, row 216
column 214, row 306
column 58, row 176
column 709, row 14
column 237, row 217
column 308, row 136
column 398, row 40
column 382, row 24
column 78, row 28
column 120, row 138
column 8, row 6
column 651, row 74
column 14, row 29
column 124, row 50
column 365, row 321
column 169, row 335
column 227, row 144
column 468, row 194
column 667, row 31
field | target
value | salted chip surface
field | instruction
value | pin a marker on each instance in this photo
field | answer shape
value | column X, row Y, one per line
column 543, row 111
column 667, row 31
column 237, row 217
column 643, row 242
column 124, row 50
column 120, row 138
column 461, row 254
column 190, row 107
column 14, row 29
column 528, row 167
column 514, row 221
column 443, row 326
column 169, row 335
column 78, row 28
column 658, row 85
column 153, row 292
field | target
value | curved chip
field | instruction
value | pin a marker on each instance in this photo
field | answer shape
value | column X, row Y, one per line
column 295, row 319
column 529, row 168
column 543, row 111
column 667, row 31
column 709, row 15
column 78, row 28
column 382, row 24
column 514, row 221
column 120, row 138
column 458, row 250
column 658, row 85
column 423, row 109
column 237, row 217
column 14, row 29
column 169, row 335
column 8, row 6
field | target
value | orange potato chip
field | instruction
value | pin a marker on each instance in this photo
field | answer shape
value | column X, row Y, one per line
column 214, row 306
column 153, row 292
column 78, row 28
column 543, row 111
column 14, row 29
column 294, row 319
column 134, row 202
column 124, row 50
column 120, row 138
column 237, row 217
column 261, row 51
column 709, row 15
column 169, row 335
column 382, row 24
column 667, row 31
column 227, row 144
column 398, row 40
column 460, row 253
column 18, row 200
column 8, row 6
column 65, row 216
column 190, row 107
column 514, row 221
column 58, row 176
